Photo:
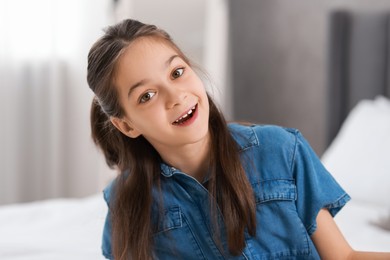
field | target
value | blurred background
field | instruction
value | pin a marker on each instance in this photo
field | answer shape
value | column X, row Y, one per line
column 267, row 60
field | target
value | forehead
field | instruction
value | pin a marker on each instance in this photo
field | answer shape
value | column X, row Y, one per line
column 146, row 50
column 142, row 58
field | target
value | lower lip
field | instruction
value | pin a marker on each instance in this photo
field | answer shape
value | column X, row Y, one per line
column 191, row 120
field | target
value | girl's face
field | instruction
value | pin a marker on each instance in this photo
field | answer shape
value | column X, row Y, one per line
column 163, row 98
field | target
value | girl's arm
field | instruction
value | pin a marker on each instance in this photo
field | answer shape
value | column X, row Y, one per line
column 331, row 244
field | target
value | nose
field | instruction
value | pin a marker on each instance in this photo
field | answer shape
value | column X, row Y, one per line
column 174, row 96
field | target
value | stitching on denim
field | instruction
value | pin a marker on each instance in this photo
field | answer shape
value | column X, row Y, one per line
column 249, row 142
column 340, row 201
column 192, row 233
column 276, row 195
column 337, row 203
column 167, row 215
column 294, row 152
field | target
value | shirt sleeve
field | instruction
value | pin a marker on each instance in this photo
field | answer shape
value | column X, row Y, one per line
column 106, row 239
column 316, row 188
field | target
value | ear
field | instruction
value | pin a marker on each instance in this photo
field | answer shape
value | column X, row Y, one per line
column 125, row 127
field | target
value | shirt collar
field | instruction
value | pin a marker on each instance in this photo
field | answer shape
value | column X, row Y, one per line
column 166, row 170
column 244, row 136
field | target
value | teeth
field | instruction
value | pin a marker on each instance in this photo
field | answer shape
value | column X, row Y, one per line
column 184, row 116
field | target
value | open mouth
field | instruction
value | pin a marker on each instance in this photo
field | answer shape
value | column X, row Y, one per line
column 187, row 116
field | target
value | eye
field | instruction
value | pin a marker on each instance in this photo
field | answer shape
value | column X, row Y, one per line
column 177, row 73
column 146, row 97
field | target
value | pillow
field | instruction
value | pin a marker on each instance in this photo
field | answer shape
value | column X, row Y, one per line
column 359, row 156
column 383, row 222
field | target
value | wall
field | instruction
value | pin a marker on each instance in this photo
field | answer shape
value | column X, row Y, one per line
column 278, row 59
column 184, row 21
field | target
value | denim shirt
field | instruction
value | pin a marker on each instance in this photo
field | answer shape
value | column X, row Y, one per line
column 290, row 185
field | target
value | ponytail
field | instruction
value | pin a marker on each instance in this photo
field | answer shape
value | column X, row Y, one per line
column 133, row 198
column 103, row 134
column 231, row 189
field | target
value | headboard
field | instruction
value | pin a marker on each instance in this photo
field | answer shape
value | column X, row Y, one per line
column 358, row 62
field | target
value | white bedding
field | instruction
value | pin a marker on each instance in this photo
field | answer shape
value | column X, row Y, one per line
column 358, row 222
column 53, row 229
column 359, row 159
column 72, row 228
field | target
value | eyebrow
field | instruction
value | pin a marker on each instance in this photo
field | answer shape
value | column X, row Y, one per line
column 143, row 81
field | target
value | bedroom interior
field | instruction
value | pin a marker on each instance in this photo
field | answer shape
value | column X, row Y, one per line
column 359, row 92
column 320, row 67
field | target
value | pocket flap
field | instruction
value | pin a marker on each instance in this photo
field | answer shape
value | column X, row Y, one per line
column 274, row 190
column 170, row 219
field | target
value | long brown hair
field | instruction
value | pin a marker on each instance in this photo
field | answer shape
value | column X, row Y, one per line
column 131, row 208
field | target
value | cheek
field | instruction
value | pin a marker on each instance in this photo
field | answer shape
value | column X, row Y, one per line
column 199, row 86
column 147, row 117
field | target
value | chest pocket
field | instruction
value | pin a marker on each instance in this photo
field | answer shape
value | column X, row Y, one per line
column 280, row 232
column 172, row 218
column 174, row 238
column 177, row 238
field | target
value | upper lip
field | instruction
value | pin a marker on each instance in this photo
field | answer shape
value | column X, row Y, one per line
column 184, row 113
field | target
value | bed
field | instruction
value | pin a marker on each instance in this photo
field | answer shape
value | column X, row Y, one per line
column 359, row 123
column 358, row 157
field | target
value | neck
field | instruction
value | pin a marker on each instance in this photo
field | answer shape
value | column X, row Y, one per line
column 192, row 159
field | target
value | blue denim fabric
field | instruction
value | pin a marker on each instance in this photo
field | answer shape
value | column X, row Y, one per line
column 290, row 186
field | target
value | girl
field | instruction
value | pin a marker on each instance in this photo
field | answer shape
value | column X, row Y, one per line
column 190, row 185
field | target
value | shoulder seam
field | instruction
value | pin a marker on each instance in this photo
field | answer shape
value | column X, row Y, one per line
column 295, row 133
